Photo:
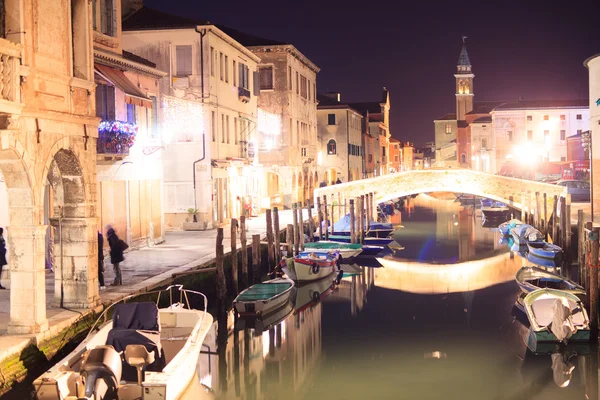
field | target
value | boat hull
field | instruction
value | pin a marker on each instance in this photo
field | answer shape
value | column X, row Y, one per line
column 544, row 250
column 262, row 307
column 304, row 271
column 366, row 240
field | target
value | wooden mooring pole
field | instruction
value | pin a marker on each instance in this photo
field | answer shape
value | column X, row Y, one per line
column 352, row 223
column 554, row 220
column 593, row 262
column 326, row 218
column 277, row 234
column 369, row 212
column 234, row 256
column 538, row 212
column 311, row 230
column 545, row 216
column 256, row 258
column 244, row 245
column 296, row 229
column 581, row 249
column 320, row 216
column 221, row 280
column 289, row 240
column 270, row 249
column 361, row 234
column 301, row 226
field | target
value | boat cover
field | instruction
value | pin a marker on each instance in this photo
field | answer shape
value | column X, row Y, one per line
column 142, row 316
column 343, row 225
column 562, row 370
column 562, row 322
column 263, row 291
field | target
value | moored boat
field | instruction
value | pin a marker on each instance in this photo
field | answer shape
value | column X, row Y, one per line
column 531, row 279
column 372, row 241
column 264, row 298
column 310, row 266
column 142, row 352
column 547, row 250
column 524, row 233
column 346, row 250
column 506, row 227
column 543, row 262
column 556, row 316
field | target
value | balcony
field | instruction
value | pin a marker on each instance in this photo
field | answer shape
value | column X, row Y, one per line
column 243, row 95
column 10, row 96
column 115, row 138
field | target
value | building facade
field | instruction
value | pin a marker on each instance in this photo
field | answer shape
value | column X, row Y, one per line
column 396, row 159
column 48, row 157
column 408, row 150
column 208, row 116
column 129, row 160
column 593, row 66
column 340, row 151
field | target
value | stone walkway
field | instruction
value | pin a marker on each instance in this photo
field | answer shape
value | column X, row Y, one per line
column 142, row 269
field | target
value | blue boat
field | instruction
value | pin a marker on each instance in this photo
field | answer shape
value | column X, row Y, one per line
column 506, row 227
column 371, row 241
column 543, row 262
column 524, row 233
column 376, row 229
column 546, row 250
column 530, row 279
column 494, row 210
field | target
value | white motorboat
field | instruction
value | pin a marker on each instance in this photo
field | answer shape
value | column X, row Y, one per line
column 143, row 352
column 310, row 266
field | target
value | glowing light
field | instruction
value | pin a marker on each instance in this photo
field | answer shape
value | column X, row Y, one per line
column 265, row 344
column 183, row 120
column 269, row 123
column 320, row 158
column 269, row 144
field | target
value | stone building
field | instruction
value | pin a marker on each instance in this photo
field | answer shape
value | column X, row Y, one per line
column 396, row 159
column 288, row 88
column 208, row 115
column 48, row 132
column 129, row 148
column 593, row 66
column 379, row 128
column 340, row 151
column 408, row 150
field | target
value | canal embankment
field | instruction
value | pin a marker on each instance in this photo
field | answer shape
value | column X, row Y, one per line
column 25, row 357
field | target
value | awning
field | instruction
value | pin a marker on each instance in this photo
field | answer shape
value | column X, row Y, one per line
column 133, row 95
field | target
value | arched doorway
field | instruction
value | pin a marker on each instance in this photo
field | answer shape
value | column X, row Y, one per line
column 25, row 256
column 73, row 236
column 273, row 189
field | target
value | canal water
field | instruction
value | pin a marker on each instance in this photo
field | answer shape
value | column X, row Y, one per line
column 437, row 321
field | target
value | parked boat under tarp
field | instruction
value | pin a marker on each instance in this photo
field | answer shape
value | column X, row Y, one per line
column 525, row 233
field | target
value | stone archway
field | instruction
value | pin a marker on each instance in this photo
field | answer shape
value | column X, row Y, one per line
column 74, row 233
column 25, row 241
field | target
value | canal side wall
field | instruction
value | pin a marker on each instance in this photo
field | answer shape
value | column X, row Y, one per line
column 28, row 357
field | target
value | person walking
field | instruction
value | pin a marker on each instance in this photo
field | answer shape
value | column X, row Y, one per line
column 117, row 247
column 101, row 260
column 2, row 255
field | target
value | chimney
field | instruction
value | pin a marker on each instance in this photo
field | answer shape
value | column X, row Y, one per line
column 129, row 7
column 334, row 96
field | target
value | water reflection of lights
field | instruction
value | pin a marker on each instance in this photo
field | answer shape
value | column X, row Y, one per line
column 416, row 277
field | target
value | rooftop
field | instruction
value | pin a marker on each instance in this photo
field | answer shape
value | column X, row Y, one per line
column 542, row 104
column 448, row 117
column 135, row 58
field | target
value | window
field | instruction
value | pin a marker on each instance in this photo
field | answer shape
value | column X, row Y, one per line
column 484, row 144
column 227, row 128
column 529, row 135
column 297, row 82
column 221, row 69
column 463, row 158
column 183, row 61
column 370, row 157
column 290, row 78
column 314, row 92
column 214, row 127
column 448, row 128
column 107, row 17
column 308, row 88
column 234, row 72
column 563, row 134
column 546, row 117
column 131, row 113
column 266, row 78
column 303, row 86
column 563, row 117
column 330, row 119
column 546, row 133
column 578, row 116
column 235, row 129
column 510, row 136
column 105, row 102
column 226, row 69
column 303, row 152
column 297, row 132
column 243, row 76
column 222, row 128
column 383, row 151
column 331, row 147
column 529, row 118
column 212, row 61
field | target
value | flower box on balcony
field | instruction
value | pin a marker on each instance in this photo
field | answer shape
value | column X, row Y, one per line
column 116, row 137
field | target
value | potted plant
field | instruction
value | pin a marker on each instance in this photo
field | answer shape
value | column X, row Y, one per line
column 193, row 212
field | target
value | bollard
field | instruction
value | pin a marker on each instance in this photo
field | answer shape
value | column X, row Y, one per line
column 311, row 230
column 320, row 216
column 289, row 239
column 326, row 218
column 234, row 257
column 244, row 251
column 277, row 234
column 296, row 230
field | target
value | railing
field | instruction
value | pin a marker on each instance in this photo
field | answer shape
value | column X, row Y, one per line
column 10, row 53
column 115, row 137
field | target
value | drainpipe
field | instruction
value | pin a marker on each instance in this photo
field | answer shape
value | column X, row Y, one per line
column 194, row 175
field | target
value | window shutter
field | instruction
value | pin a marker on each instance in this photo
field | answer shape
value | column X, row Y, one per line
column 110, row 103
column 256, row 82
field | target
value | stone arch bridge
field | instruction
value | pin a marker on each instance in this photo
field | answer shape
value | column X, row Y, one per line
column 517, row 193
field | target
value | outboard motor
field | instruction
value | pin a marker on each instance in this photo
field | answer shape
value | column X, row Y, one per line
column 102, row 363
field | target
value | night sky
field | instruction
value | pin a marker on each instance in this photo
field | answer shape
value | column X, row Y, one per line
column 517, row 48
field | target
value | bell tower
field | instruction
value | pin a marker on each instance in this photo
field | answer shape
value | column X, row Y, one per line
column 464, row 84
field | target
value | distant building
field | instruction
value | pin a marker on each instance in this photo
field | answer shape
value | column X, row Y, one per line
column 593, row 66
column 408, row 150
column 395, row 163
column 379, row 128
column 340, row 150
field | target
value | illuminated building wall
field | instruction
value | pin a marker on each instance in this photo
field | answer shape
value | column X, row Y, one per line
column 214, row 79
